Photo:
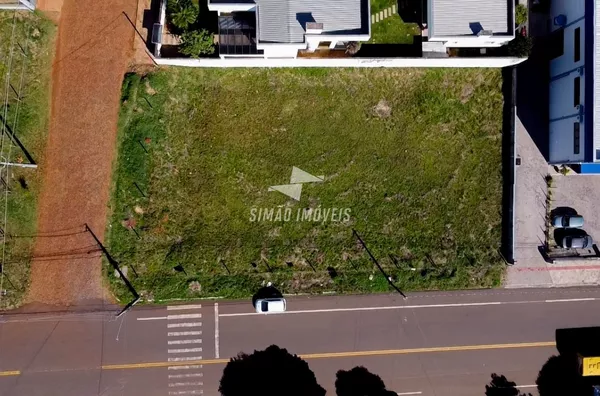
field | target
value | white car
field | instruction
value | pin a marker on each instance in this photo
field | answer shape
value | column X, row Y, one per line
column 270, row 305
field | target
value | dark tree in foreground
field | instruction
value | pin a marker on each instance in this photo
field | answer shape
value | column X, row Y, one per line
column 272, row 372
column 500, row 386
column 560, row 376
column 360, row 382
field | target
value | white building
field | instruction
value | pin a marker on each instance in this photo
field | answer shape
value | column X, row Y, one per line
column 281, row 28
column 471, row 23
column 574, row 85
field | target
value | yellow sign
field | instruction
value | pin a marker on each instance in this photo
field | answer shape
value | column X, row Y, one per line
column 591, row 366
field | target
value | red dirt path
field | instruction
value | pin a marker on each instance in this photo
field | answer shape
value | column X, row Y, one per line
column 94, row 47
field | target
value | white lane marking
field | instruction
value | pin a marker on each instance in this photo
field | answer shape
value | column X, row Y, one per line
column 217, row 331
column 190, row 367
column 190, row 375
column 181, row 342
column 184, row 359
column 184, row 350
column 526, row 386
column 179, row 307
column 184, row 333
column 572, row 300
column 176, row 384
column 383, row 308
column 173, row 317
column 184, row 316
column 175, row 325
column 187, row 392
column 409, row 393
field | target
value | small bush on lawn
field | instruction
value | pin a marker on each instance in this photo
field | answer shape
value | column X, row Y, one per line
column 520, row 14
column 196, row 43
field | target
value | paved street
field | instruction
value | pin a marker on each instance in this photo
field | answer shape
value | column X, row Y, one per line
column 433, row 343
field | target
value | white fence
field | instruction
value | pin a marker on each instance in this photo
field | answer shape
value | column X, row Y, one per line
column 342, row 62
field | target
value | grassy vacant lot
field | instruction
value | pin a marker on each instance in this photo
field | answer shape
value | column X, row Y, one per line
column 391, row 30
column 30, row 68
column 414, row 154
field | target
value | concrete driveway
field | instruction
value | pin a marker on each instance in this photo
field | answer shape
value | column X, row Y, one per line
column 530, row 269
column 579, row 192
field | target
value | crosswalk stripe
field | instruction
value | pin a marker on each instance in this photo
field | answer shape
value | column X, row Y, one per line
column 180, row 342
column 184, row 316
column 184, row 358
column 184, row 350
column 184, row 333
column 190, row 367
column 176, row 384
column 181, row 307
column 174, row 325
column 190, row 375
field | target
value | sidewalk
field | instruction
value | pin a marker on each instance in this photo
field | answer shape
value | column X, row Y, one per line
column 93, row 51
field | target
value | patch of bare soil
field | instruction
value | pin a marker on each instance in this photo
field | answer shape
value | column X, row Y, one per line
column 382, row 109
column 94, row 48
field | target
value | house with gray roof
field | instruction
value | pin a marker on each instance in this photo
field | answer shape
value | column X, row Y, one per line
column 17, row 5
column 471, row 23
column 289, row 28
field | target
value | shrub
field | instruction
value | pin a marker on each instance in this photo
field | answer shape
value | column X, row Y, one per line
column 520, row 46
column 352, row 47
column 520, row 14
column 182, row 13
column 196, row 43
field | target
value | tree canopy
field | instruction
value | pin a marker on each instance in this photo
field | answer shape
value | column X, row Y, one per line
column 272, row 372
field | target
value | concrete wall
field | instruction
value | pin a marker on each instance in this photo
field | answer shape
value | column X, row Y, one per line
column 230, row 7
column 342, row 62
column 563, row 71
column 473, row 41
column 276, row 50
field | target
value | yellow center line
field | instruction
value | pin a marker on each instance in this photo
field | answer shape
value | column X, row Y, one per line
column 346, row 354
column 9, row 373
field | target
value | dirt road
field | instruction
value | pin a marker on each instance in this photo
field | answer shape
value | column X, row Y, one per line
column 94, row 47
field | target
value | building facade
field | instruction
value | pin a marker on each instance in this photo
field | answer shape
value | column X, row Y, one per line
column 573, row 82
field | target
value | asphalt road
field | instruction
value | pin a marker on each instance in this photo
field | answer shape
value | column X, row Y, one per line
column 431, row 344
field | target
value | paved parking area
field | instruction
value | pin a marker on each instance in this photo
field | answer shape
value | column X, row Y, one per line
column 579, row 192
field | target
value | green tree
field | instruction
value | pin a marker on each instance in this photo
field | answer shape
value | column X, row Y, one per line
column 272, row 372
column 196, row 43
column 520, row 46
column 182, row 13
column 521, row 14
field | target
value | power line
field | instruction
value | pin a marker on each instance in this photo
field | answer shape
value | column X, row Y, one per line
column 3, row 136
column 14, row 131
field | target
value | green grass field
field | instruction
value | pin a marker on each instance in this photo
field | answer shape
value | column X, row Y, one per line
column 414, row 155
column 391, row 30
column 32, row 56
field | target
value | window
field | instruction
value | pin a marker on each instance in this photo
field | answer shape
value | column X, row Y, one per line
column 576, row 138
column 576, row 91
column 556, row 46
column 577, row 45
